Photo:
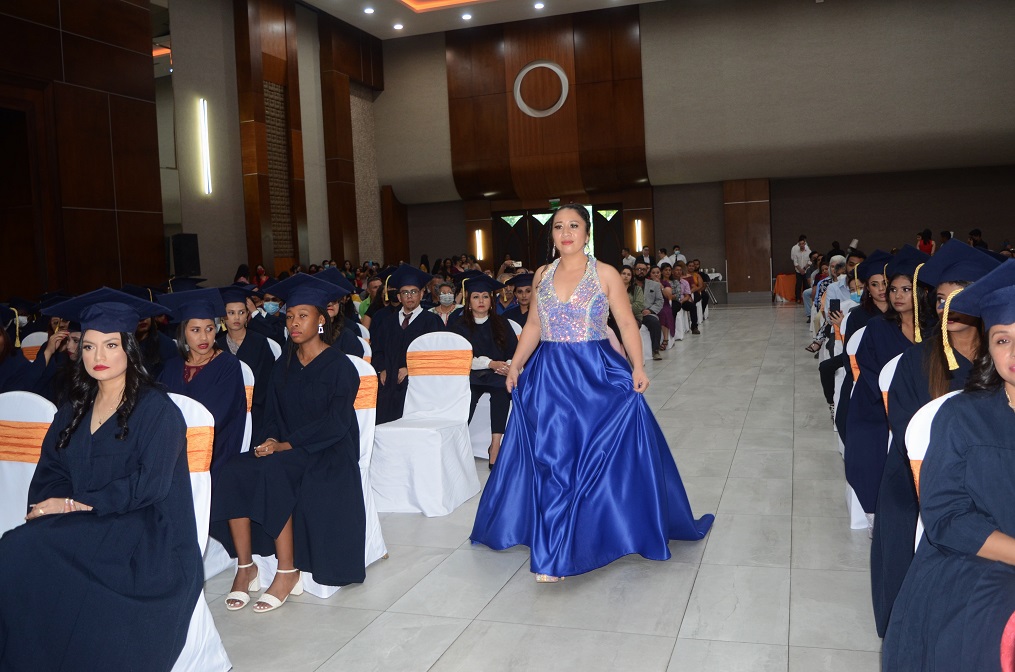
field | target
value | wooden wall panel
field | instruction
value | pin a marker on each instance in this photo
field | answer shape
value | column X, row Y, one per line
column 46, row 12
column 117, row 23
column 394, row 226
column 84, row 146
column 92, row 261
column 30, row 49
column 105, row 67
column 748, row 227
column 135, row 147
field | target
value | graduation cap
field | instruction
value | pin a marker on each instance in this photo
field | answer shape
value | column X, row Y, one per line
column 105, row 310
column 335, row 277
column 194, row 304
column 873, row 265
column 237, row 293
column 268, row 284
column 146, row 292
column 483, row 283
column 957, row 262
column 905, row 262
column 521, row 280
column 184, row 284
column 49, row 299
column 991, row 298
column 306, row 290
column 409, row 276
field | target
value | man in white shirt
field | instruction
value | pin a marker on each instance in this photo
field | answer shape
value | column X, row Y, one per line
column 801, row 256
column 677, row 256
column 626, row 258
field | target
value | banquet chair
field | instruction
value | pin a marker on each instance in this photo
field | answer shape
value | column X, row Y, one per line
column 24, row 421
column 203, row 651
column 852, row 345
column 276, row 349
column 885, row 382
column 681, row 325
column 423, row 461
column 375, row 549
column 840, row 375
column 248, row 389
column 857, row 516
column 917, row 441
column 33, row 343
column 646, row 344
column 364, row 333
column 368, row 352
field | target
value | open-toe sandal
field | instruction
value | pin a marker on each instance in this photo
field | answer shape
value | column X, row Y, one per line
column 241, row 596
column 546, row 578
column 272, row 601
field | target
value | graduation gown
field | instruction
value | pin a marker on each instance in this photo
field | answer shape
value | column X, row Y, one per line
column 953, row 606
column 866, row 438
column 255, row 353
column 483, row 345
column 156, row 355
column 317, row 483
column 348, row 339
column 515, row 313
column 53, row 378
column 219, row 387
column 858, row 318
column 898, row 506
column 113, row 588
column 390, row 343
column 17, row 374
column 270, row 326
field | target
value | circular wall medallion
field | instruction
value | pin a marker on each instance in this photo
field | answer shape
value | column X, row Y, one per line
column 557, row 70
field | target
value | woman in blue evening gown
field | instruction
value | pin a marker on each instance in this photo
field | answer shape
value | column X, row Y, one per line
column 584, row 474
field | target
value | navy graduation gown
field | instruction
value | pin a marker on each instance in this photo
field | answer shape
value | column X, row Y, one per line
column 858, row 318
column 953, row 606
column 255, row 353
column 898, row 506
column 317, row 483
column 483, row 345
column 515, row 313
column 270, row 326
column 390, row 343
column 219, row 387
column 348, row 339
column 867, row 425
column 17, row 374
column 113, row 588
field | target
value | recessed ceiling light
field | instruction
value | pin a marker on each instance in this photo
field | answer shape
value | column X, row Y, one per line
column 466, row 17
column 539, row 5
column 368, row 10
column 398, row 26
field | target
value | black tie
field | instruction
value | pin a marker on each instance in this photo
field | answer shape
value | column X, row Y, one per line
column 405, row 322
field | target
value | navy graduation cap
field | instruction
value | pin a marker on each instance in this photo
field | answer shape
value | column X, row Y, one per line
column 184, row 284
column 991, row 298
column 306, row 290
column 105, row 310
column 195, row 304
column 335, row 277
column 408, row 276
column 482, row 283
column 873, row 265
column 521, row 280
column 238, row 293
column 957, row 262
column 905, row 262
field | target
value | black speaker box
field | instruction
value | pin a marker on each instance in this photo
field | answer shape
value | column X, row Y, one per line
column 186, row 256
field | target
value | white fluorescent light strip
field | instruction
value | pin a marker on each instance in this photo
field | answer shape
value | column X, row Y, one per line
column 637, row 234
column 479, row 244
column 205, row 151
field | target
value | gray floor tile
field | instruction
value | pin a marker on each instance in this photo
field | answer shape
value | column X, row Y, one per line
column 758, row 496
column 760, row 541
column 397, row 642
column 739, row 604
column 702, row 655
column 832, row 660
column 832, row 610
column 762, row 464
column 823, row 543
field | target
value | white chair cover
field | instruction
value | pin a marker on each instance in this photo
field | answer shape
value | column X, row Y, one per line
column 366, row 415
column 364, row 333
column 248, row 388
column 276, row 349
column 20, row 445
column 917, row 441
column 857, row 517
column 204, row 650
column 423, row 462
column 479, row 429
column 515, row 327
column 32, row 343
column 368, row 352
column 646, row 344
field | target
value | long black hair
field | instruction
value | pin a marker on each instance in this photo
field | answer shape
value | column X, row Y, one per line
column 582, row 212
column 983, row 377
column 925, row 298
column 181, row 339
column 83, row 389
column 498, row 325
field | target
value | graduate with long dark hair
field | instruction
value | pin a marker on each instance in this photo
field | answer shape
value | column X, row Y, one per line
column 955, row 609
column 297, row 494
column 106, row 571
column 924, row 373
column 344, row 329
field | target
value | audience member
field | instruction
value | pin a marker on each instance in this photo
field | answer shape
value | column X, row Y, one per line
column 653, row 293
column 800, row 256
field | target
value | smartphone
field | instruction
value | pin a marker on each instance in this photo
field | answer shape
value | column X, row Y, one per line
column 517, row 264
column 834, row 305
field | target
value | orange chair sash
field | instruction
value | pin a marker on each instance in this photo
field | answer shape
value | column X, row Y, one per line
column 31, row 352
column 838, row 334
column 249, row 390
column 439, row 363
column 199, row 447
column 367, row 395
column 21, row 441
column 915, row 466
column 856, row 368
column 884, row 396
column 367, row 358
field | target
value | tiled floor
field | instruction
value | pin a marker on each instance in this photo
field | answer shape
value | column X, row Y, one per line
column 780, row 584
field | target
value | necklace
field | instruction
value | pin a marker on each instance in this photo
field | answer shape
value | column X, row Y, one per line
column 109, row 411
column 1008, row 397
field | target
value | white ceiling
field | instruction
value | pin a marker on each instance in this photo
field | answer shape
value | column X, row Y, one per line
column 387, row 13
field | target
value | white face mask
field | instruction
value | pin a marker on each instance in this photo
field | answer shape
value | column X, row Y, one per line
column 447, row 299
column 22, row 320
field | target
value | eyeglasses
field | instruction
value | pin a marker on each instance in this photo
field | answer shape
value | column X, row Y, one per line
column 409, row 292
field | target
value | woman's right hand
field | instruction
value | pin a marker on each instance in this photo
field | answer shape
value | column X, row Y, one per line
column 512, row 378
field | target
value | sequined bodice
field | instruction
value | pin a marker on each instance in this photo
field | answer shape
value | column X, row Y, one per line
column 580, row 318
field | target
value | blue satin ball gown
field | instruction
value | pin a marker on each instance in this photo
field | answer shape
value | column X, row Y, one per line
column 584, row 475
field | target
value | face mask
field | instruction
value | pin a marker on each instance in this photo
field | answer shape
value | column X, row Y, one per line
column 22, row 320
column 854, row 297
column 447, row 299
column 271, row 307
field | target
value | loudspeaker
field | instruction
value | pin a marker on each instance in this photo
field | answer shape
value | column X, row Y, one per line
column 186, row 257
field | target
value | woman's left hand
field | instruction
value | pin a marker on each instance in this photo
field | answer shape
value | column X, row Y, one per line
column 499, row 367
column 55, row 505
column 271, row 446
column 640, row 379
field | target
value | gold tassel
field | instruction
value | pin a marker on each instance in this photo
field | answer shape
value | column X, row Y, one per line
column 949, row 352
column 916, row 305
column 17, row 328
column 384, row 298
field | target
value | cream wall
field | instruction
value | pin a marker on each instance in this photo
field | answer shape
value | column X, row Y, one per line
column 364, row 158
column 204, row 66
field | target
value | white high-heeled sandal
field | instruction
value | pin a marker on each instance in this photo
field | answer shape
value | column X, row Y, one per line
column 272, row 601
column 239, row 595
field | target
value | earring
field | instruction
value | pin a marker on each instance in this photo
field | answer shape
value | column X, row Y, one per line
column 586, row 248
column 320, row 328
column 186, row 348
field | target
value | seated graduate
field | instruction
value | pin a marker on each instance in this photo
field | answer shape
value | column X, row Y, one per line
column 390, row 338
column 493, row 346
column 58, row 359
column 107, row 570
column 269, row 320
column 204, row 372
column 522, row 285
column 248, row 346
column 297, row 494
column 954, row 610
column 17, row 374
column 156, row 347
column 445, row 302
column 345, row 332
column 940, row 363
